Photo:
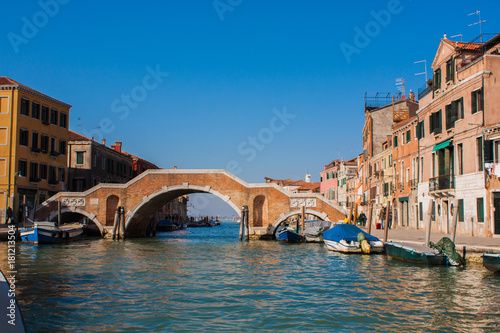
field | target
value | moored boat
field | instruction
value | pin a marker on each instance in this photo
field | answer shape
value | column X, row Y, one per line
column 415, row 253
column 166, row 225
column 313, row 231
column 287, row 235
column 348, row 238
column 49, row 232
column 492, row 261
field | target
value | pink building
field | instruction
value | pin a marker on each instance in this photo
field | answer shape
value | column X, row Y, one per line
column 329, row 181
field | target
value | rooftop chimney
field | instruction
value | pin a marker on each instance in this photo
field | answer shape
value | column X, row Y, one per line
column 175, row 167
column 104, row 142
column 117, row 146
column 308, row 178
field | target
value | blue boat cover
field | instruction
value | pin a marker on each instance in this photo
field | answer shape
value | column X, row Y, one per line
column 349, row 232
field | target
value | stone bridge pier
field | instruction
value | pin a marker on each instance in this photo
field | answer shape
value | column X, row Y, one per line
column 143, row 196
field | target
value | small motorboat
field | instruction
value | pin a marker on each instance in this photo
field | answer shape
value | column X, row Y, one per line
column 50, row 232
column 415, row 253
column 166, row 225
column 13, row 318
column 348, row 238
column 288, row 235
column 492, row 261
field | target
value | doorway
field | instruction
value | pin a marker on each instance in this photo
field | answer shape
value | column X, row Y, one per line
column 496, row 204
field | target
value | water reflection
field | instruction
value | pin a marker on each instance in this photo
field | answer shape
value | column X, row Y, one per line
column 204, row 279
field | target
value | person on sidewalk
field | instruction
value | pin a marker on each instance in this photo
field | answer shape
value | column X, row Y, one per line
column 381, row 216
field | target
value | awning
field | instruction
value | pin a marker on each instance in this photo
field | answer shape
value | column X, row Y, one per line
column 403, row 199
column 441, row 145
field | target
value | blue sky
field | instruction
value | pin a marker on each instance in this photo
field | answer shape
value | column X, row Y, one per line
column 224, row 70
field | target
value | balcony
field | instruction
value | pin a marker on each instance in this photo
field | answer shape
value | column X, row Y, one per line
column 413, row 184
column 441, row 185
column 423, row 91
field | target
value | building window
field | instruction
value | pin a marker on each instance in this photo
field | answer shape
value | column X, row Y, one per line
column 52, row 175
column 53, row 150
column 480, row 209
column 437, row 80
column 79, row 157
column 34, row 172
column 23, row 137
column 63, row 121
column 433, row 165
column 62, row 175
column 460, row 158
column 53, row 117
column 479, row 149
column 435, row 123
column 433, row 213
column 477, row 101
column 395, row 143
column 45, row 115
column 43, row 171
column 25, row 107
column 103, row 163
column 420, row 130
column 421, row 169
column 35, row 110
column 420, row 211
column 23, row 166
column 62, row 147
column 408, row 136
column 450, row 70
column 34, row 142
column 461, row 210
column 44, row 143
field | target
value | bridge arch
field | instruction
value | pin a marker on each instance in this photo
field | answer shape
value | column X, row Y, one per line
column 309, row 211
column 90, row 216
column 139, row 217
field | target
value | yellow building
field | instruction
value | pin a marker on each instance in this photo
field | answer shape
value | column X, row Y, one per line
column 33, row 145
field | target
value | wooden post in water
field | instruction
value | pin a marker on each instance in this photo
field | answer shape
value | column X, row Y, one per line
column 242, row 222
column 350, row 214
column 370, row 213
column 59, row 213
column 303, row 218
column 24, row 214
column 247, row 229
column 355, row 214
column 386, row 224
column 116, row 223
column 453, row 231
column 122, row 222
column 428, row 223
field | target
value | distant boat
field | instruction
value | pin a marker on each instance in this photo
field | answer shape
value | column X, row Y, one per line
column 287, row 235
column 313, row 230
column 166, row 225
column 415, row 253
column 346, row 238
column 492, row 261
column 12, row 320
column 49, row 232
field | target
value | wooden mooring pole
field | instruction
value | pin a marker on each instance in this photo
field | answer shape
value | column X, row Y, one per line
column 242, row 223
column 453, row 231
column 116, row 223
column 303, row 218
column 122, row 222
column 370, row 213
column 428, row 223
column 59, row 222
column 386, row 224
column 247, row 228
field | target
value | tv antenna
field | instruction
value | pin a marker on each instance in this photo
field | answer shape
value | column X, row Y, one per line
column 457, row 36
column 478, row 13
column 425, row 71
column 401, row 85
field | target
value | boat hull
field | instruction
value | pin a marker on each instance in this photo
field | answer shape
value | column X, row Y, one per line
column 423, row 256
column 353, row 247
column 288, row 236
column 44, row 234
column 492, row 261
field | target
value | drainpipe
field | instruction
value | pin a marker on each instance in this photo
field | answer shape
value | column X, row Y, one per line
column 10, row 153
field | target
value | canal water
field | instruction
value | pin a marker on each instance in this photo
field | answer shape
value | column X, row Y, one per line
column 203, row 279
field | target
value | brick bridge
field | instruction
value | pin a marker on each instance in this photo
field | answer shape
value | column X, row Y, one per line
column 268, row 203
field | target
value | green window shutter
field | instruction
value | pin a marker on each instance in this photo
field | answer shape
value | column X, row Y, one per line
column 473, row 97
column 482, row 99
column 480, row 209
column 461, row 101
column 408, row 136
column 461, row 210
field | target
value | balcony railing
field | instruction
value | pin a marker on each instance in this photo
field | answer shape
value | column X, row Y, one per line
column 423, row 91
column 413, row 184
column 444, row 182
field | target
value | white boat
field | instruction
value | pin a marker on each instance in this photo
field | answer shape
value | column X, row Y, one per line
column 344, row 238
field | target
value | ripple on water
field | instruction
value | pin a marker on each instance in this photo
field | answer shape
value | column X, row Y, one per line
column 203, row 279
